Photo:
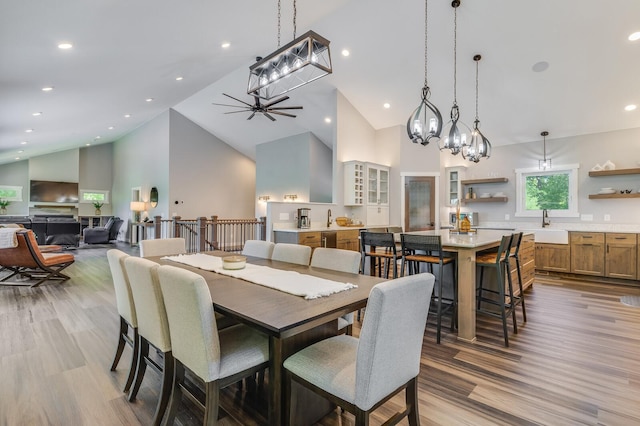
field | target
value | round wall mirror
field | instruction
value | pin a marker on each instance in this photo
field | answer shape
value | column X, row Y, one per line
column 153, row 197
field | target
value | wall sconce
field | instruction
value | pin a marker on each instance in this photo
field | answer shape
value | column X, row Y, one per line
column 264, row 198
column 137, row 207
column 290, row 197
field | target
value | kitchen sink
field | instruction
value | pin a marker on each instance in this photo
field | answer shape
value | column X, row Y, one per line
column 549, row 235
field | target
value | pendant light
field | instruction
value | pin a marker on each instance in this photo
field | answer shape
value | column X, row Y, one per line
column 455, row 133
column 303, row 60
column 545, row 163
column 479, row 146
column 425, row 123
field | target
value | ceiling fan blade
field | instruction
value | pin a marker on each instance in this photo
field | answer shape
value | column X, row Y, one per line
column 282, row 113
column 269, row 116
column 291, row 107
column 235, row 112
column 277, row 101
column 236, row 99
column 251, row 116
column 227, row 105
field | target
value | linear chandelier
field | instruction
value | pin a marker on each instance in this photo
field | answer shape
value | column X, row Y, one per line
column 303, row 60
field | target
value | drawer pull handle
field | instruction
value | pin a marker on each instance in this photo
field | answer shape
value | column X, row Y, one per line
column 587, row 236
column 621, row 238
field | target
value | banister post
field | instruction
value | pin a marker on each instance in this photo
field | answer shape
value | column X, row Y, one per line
column 214, row 234
column 176, row 227
column 202, row 233
column 157, row 226
column 263, row 228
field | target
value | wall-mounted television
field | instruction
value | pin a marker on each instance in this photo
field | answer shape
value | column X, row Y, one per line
column 45, row 191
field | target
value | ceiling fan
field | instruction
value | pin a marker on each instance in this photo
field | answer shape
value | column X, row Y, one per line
column 257, row 107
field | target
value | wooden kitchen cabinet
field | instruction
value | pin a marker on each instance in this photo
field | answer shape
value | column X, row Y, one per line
column 311, row 239
column 587, row 253
column 354, row 184
column 527, row 263
column 621, row 257
column 348, row 240
column 553, row 257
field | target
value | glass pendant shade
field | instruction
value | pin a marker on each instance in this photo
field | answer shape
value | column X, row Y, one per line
column 455, row 135
column 425, row 123
column 305, row 59
column 479, row 147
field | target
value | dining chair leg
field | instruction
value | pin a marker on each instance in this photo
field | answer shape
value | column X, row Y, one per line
column 439, row 311
column 176, row 393
column 479, row 295
column 503, row 313
column 141, row 367
column 134, row 360
column 512, row 303
column 211, row 397
column 165, row 390
column 124, row 328
column 411, row 401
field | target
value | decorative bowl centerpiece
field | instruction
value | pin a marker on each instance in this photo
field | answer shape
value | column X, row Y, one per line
column 343, row 221
column 234, row 262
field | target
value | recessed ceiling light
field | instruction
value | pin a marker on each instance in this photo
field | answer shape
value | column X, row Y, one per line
column 87, row 144
column 47, row 88
column 225, row 45
column 17, row 158
column 23, row 143
column 179, row 78
column 97, row 137
column 65, row 46
column 127, row 116
column 387, row 105
column 149, row 99
column 36, row 114
column 540, row 66
column 630, row 107
column 635, row 36
column 29, row 131
column 345, row 52
column 20, row 152
column 327, row 120
column 110, row 128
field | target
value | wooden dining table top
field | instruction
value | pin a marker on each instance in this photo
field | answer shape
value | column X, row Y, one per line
column 275, row 312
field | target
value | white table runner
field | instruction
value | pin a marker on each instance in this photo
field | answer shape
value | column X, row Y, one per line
column 291, row 282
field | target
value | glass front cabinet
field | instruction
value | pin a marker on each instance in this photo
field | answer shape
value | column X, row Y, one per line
column 454, row 175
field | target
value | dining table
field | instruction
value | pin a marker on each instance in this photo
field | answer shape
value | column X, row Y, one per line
column 465, row 246
column 291, row 322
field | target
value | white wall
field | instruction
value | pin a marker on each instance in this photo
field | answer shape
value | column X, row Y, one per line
column 96, row 173
column 207, row 176
column 17, row 174
column 141, row 159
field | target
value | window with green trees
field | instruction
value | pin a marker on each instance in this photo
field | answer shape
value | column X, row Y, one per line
column 555, row 190
column 11, row 193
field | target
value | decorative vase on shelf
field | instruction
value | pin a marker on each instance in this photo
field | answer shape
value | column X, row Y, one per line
column 98, row 212
column 3, row 210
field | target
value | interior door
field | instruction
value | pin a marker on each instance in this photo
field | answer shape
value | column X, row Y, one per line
column 419, row 203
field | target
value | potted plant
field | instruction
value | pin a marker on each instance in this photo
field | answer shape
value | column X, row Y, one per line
column 3, row 206
column 98, row 205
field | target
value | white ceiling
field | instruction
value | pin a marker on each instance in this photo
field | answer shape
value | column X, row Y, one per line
column 126, row 52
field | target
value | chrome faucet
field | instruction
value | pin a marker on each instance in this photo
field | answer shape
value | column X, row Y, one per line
column 545, row 218
column 329, row 218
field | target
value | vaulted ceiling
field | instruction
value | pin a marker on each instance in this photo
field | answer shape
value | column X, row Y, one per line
column 127, row 52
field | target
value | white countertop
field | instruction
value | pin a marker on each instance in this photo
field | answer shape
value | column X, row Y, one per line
column 320, row 229
column 471, row 240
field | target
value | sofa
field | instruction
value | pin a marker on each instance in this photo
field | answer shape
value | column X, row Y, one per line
column 62, row 231
column 103, row 234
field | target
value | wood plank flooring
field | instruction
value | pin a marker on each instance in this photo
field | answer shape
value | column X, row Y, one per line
column 576, row 361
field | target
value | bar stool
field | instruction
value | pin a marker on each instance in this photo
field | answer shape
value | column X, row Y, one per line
column 413, row 247
column 498, row 262
column 514, row 253
column 370, row 242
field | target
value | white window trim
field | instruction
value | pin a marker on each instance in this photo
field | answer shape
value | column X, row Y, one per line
column 573, row 191
column 97, row 191
column 18, row 190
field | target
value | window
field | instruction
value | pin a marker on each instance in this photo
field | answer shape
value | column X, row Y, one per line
column 93, row 195
column 555, row 190
column 11, row 193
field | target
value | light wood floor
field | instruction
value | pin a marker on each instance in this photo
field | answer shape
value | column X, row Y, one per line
column 576, row 361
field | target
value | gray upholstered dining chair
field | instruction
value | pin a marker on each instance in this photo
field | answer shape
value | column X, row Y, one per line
column 258, row 248
column 217, row 357
column 162, row 247
column 153, row 329
column 126, row 309
column 361, row 374
column 292, row 253
column 343, row 261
